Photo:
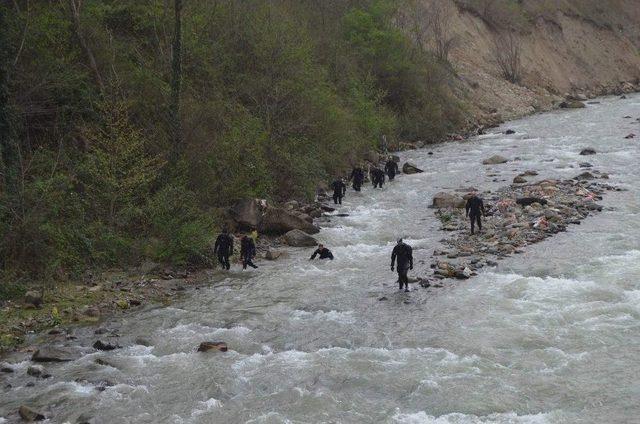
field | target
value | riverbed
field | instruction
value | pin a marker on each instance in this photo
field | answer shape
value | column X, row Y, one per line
column 548, row 336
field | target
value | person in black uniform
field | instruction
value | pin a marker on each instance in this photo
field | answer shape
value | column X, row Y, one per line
column 247, row 252
column 377, row 177
column 339, row 190
column 357, row 175
column 391, row 168
column 474, row 209
column 224, row 248
column 403, row 254
column 323, row 252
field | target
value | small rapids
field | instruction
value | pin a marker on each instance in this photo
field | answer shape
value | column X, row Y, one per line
column 548, row 336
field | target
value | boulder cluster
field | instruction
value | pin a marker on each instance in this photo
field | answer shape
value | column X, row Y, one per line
column 517, row 215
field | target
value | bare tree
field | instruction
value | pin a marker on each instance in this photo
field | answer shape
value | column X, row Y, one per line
column 76, row 7
column 176, row 81
column 440, row 16
column 507, row 53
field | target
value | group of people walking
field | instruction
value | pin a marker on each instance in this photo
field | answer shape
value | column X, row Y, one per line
column 357, row 177
column 402, row 253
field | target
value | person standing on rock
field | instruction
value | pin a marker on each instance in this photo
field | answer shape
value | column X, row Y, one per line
column 391, row 168
column 474, row 210
column 403, row 255
column 247, row 252
column 323, row 252
column 224, row 248
column 339, row 190
column 377, row 177
column 357, row 175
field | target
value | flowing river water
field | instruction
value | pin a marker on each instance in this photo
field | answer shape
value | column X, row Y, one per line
column 549, row 336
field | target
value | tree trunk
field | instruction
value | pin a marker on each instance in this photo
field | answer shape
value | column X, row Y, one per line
column 9, row 166
column 176, row 82
column 75, row 14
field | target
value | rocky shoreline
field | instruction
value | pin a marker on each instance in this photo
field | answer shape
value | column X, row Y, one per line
column 518, row 215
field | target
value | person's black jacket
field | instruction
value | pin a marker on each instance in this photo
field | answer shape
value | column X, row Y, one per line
column 357, row 175
column 339, row 188
column 224, row 244
column 377, row 175
column 474, row 206
column 247, row 248
column 324, row 254
column 403, row 253
column 391, row 167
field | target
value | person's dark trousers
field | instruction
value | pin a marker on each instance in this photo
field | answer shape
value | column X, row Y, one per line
column 403, row 279
column 475, row 219
column 337, row 199
column 248, row 262
column 391, row 176
column 356, row 186
column 224, row 261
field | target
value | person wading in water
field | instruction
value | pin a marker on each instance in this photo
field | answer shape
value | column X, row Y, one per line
column 403, row 254
column 474, row 210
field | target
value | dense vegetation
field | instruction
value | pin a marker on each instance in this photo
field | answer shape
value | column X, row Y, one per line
column 113, row 150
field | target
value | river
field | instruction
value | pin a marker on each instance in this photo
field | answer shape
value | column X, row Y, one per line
column 549, row 336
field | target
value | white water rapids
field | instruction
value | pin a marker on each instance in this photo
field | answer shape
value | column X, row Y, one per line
column 549, row 336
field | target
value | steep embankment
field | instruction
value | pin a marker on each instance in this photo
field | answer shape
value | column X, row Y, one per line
column 561, row 54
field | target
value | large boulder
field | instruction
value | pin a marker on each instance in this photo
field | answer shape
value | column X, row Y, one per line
column 54, row 354
column 247, row 213
column 279, row 221
column 444, row 200
column 495, row 160
column 298, row 238
column 409, row 168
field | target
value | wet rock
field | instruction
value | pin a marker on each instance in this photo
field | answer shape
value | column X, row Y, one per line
column 55, row 354
column 213, row 346
column 30, row 415
column 509, row 132
column 632, row 135
column 142, row 342
column 495, row 160
column 519, row 180
column 326, row 208
column 572, row 104
column 298, row 238
column 585, row 165
column 100, row 345
column 395, row 158
column 585, row 176
column 588, row 151
column 409, row 168
column 383, row 298
column 33, row 298
column 273, row 254
column 37, row 371
column 6, row 369
column 529, row 173
column 279, row 221
column 444, row 200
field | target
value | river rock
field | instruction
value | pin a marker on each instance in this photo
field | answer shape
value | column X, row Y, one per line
column 54, row 354
column 30, row 415
column 526, row 201
column 278, row 221
column 509, row 132
column 519, row 180
column 632, row 135
column 37, row 371
column 327, row 208
column 585, row 165
column 298, row 238
column 572, row 104
column 273, row 254
column 100, row 345
column 588, row 151
column 4, row 368
column 33, row 298
column 409, row 168
column 585, row 176
column 395, row 158
column 213, row 346
column 495, row 160
column 447, row 200
column 247, row 213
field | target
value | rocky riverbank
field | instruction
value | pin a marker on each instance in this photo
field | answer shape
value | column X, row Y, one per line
column 518, row 215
